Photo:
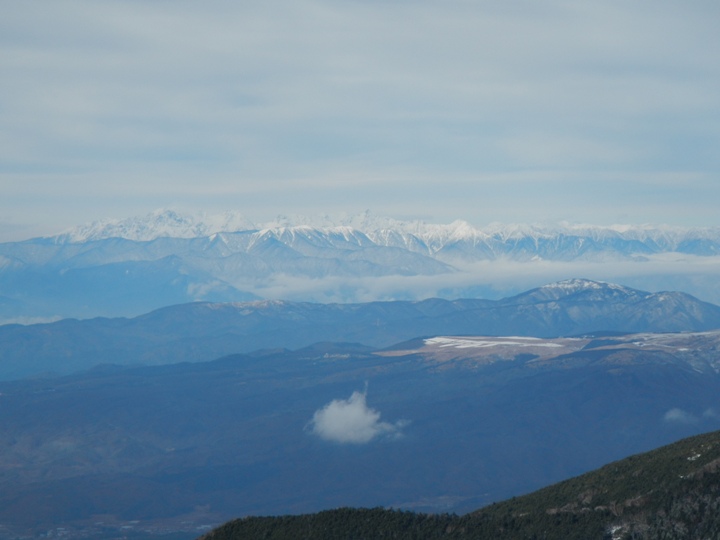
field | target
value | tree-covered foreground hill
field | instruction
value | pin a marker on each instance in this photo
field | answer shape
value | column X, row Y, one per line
column 670, row 493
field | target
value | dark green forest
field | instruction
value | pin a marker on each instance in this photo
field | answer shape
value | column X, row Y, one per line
column 671, row 493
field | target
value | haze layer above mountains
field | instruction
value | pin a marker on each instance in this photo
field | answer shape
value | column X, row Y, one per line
column 129, row 267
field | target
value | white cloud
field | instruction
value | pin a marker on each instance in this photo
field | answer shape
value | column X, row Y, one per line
column 497, row 279
column 680, row 416
column 351, row 421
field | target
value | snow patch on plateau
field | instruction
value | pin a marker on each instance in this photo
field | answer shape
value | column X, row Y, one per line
column 479, row 343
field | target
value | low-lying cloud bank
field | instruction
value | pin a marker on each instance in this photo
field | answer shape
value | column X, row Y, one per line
column 351, row 421
column 500, row 278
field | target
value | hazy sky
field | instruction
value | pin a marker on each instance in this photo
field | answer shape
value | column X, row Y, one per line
column 514, row 111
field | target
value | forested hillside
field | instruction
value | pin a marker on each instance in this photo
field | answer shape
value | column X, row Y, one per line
column 670, row 493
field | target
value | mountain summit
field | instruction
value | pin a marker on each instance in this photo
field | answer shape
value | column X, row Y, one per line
column 585, row 289
column 158, row 224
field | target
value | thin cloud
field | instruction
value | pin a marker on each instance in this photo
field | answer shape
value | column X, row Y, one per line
column 679, row 416
column 351, row 421
column 496, row 279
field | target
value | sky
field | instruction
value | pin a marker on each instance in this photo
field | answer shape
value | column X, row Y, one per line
column 597, row 112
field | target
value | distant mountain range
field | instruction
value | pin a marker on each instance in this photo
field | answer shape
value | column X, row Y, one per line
column 127, row 267
column 204, row 331
column 670, row 493
column 497, row 240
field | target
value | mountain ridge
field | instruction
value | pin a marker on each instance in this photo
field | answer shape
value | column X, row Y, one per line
column 412, row 235
column 204, row 330
column 175, row 224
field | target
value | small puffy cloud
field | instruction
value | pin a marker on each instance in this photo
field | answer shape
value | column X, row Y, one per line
column 680, row 416
column 351, row 421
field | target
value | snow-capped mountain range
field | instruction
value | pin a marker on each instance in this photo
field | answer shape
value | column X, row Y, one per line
column 492, row 241
column 127, row 267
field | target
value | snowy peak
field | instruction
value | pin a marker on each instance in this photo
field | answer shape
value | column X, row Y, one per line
column 575, row 285
column 158, row 224
column 585, row 289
